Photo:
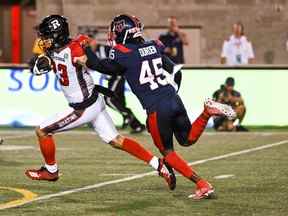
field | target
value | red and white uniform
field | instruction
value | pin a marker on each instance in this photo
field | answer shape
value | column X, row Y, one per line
column 77, row 85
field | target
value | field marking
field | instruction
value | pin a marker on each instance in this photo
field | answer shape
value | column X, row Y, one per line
column 27, row 196
column 9, row 137
column 224, row 176
column 129, row 174
column 118, row 174
column 15, row 147
column 139, row 176
column 23, row 134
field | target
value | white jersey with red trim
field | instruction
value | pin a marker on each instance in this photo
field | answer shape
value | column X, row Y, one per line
column 76, row 82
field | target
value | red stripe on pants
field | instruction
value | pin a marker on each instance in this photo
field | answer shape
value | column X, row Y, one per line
column 154, row 131
column 16, row 33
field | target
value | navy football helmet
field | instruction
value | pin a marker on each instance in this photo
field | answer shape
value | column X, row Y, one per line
column 54, row 30
column 124, row 28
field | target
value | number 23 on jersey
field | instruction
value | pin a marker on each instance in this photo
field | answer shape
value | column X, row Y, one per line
column 63, row 74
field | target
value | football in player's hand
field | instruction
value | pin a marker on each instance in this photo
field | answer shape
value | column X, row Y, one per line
column 44, row 63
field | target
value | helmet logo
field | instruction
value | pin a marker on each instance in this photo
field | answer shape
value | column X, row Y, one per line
column 55, row 24
column 119, row 25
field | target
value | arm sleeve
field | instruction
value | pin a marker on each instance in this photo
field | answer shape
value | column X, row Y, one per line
column 105, row 66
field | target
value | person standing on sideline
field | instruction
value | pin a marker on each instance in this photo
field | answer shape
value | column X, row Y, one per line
column 237, row 49
column 173, row 40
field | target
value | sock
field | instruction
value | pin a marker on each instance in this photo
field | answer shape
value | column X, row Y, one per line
column 154, row 162
column 198, row 127
column 202, row 183
column 52, row 168
column 181, row 166
column 48, row 149
column 135, row 149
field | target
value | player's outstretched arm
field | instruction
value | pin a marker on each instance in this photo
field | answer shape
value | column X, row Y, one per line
column 105, row 66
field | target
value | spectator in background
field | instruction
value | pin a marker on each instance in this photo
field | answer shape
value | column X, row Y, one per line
column 228, row 95
column 174, row 40
column 237, row 49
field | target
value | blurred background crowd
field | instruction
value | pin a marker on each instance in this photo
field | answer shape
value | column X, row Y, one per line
column 195, row 32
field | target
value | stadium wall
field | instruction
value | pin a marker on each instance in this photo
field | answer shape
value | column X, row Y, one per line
column 26, row 99
column 265, row 20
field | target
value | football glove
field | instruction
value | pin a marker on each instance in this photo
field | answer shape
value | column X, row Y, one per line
column 43, row 64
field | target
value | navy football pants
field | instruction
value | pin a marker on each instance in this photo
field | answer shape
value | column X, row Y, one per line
column 168, row 118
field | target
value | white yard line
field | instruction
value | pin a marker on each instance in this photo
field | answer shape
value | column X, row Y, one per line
column 16, row 134
column 12, row 137
column 139, row 176
column 127, row 174
column 224, row 176
column 14, row 147
column 118, row 174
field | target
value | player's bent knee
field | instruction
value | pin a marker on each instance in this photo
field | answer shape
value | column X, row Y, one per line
column 187, row 143
column 117, row 142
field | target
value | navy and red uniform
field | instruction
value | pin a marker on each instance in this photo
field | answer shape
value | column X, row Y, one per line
column 142, row 65
column 117, row 85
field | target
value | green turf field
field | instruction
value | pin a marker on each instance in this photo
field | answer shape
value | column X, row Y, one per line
column 258, row 185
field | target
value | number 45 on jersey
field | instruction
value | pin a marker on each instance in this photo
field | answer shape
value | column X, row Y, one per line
column 153, row 73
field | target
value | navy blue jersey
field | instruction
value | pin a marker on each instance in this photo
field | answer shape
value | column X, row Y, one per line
column 143, row 71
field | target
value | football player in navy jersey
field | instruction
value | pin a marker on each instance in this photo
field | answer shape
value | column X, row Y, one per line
column 155, row 79
column 117, row 85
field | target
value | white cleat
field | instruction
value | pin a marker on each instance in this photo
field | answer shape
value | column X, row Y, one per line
column 204, row 192
column 218, row 109
column 198, row 195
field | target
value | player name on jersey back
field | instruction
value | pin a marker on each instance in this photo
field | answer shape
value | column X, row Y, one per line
column 149, row 50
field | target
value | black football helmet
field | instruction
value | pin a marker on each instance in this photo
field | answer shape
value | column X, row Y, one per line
column 124, row 28
column 54, row 30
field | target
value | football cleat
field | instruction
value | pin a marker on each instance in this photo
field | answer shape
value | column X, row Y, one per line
column 42, row 174
column 203, row 191
column 165, row 171
column 214, row 108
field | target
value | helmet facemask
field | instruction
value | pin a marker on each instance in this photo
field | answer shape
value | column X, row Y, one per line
column 125, row 28
column 53, row 32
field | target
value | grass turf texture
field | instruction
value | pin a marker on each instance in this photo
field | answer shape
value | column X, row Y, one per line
column 258, row 188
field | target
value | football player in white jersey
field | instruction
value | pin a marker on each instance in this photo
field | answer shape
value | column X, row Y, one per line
column 86, row 104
